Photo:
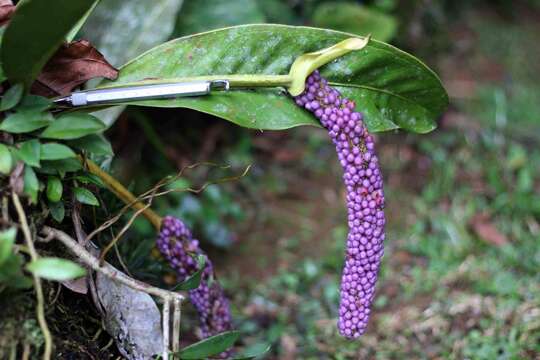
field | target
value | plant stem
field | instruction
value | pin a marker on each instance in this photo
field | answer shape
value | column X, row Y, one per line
column 40, row 308
column 121, row 192
column 176, row 325
column 108, row 270
column 166, row 330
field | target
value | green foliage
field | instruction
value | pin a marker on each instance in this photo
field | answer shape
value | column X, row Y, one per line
column 60, row 167
column 29, row 152
column 6, row 160
column 7, row 239
column 29, row 41
column 57, row 210
column 54, row 189
column 355, row 19
column 25, row 121
column 11, row 275
column 95, row 144
column 35, row 103
column 12, row 97
column 53, row 159
column 255, row 352
column 73, row 126
column 31, row 184
column 55, row 151
column 378, row 77
column 58, row 269
column 85, row 196
column 210, row 346
column 89, row 179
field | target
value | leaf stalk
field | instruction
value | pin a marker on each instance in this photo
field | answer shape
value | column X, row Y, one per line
column 121, row 192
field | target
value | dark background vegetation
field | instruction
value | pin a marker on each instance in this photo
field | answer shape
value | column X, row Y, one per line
column 460, row 274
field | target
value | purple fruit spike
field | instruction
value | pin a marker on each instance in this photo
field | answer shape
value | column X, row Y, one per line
column 178, row 246
column 365, row 200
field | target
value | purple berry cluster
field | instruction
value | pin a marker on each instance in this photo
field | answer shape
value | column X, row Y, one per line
column 177, row 245
column 365, row 199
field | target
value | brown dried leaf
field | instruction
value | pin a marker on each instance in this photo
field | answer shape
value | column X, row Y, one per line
column 487, row 231
column 80, row 286
column 72, row 65
column 6, row 11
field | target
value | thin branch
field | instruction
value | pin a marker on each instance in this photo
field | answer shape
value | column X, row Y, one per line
column 122, row 232
column 120, row 191
column 40, row 308
column 201, row 188
column 136, row 203
column 108, row 270
column 166, row 327
column 114, row 274
column 82, row 239
column 177, row 315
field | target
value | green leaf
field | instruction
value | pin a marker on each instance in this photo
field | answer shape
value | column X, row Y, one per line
column 255, row 352
column 392, row 88
column 6, row 160
column 215, row 14
column 89, row 179
column 85, row 196
column 58, row 211
column 96, row 144
column 12, row 97
column 35, row 103
column 54, row 189
column 209, row 346
column 61, row 167
column 34, row 33
column 55, row 151
column 58, row 269
column 31, row 184
column 193, row 281
column 356, row 19
column 73, row 126
column 7, row 239
column 25, row 121
column 29, row 152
